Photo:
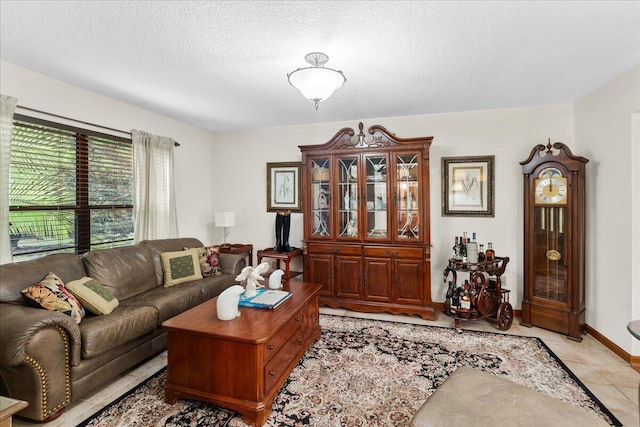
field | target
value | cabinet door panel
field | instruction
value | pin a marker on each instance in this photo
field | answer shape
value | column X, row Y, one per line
column 376, row 197
column 349, row 193
column 408, row 194
column 320, row 197
column 348, row 277
column 321, row 271
column 409, row 281
column 378, row 286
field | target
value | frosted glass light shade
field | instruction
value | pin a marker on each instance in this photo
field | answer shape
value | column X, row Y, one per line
column 316, row 83
column 225, row 219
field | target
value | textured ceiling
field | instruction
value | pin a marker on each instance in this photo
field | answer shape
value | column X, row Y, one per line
column 222, row 65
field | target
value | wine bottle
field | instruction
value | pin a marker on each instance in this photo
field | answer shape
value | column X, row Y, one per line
column 464, row 245
column 465, row 302
column 456, row 249
column 455, row 297
column 472, row 254
column 447, row 299
column 481, row 256
column 490, row 254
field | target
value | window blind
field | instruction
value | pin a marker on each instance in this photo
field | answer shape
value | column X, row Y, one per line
column 70, row 190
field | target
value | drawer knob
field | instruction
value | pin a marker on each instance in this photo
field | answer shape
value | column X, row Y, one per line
column 272, row 373
column 270, row 347
column 299, row 341
column 298, row 319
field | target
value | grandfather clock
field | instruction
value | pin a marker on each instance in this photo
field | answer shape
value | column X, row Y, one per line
column 554, row 240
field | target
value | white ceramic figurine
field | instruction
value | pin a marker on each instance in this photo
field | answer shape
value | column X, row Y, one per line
column 227, row 304
column 275, row 278
column 253, row 275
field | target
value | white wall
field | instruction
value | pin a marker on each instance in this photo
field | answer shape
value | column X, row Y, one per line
column 228, row 172
column 508, row 134
column 603, row 133
column 192, row 159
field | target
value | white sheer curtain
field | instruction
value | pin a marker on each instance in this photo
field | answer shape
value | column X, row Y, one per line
column 7, row 108
column 154, row 202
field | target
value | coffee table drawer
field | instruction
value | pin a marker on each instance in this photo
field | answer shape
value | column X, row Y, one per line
column 279, row 363
column 272, row 346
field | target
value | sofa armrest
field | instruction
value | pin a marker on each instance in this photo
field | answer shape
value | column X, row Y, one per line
column 21, row 323
column 232, row 263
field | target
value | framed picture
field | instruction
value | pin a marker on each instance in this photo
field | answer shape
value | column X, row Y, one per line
column 283, row 187
column 467, row 186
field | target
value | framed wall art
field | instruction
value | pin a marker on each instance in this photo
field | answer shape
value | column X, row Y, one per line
column 283, row 187
column 467, row 186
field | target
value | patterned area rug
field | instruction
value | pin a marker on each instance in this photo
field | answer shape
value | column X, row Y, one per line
column 368, row 373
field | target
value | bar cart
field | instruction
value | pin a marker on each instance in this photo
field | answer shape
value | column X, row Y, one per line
column 485, row 297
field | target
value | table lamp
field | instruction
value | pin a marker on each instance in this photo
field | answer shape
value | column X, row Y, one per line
column 225, row 219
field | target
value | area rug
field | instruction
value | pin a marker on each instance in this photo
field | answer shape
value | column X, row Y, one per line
column 368, row 373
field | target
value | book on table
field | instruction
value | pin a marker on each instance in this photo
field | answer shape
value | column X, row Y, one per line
column 264, row 298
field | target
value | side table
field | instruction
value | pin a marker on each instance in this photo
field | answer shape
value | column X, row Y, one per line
column 8, row 407
column 239, row 248
column 284, row 256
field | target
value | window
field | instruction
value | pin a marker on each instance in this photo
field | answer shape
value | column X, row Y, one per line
column 70, row 189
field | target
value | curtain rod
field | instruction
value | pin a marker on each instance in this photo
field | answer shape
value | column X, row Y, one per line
column 177, row 144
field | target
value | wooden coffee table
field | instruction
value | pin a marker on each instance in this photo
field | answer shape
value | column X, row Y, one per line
column 240, row 364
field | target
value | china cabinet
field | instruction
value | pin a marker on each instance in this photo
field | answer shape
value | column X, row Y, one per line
column 366, row 221
column 554, row 236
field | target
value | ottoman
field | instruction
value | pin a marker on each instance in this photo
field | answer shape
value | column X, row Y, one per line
column 471, row 397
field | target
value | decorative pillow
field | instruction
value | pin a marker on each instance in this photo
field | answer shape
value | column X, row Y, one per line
column 93, row 295
column 180, row 266
column 52, row 295
column 209, row 259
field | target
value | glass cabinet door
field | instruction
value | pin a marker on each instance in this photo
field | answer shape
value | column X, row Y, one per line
column 349, row 197
column 407, row 194
column 376, row 196
column 320, row 197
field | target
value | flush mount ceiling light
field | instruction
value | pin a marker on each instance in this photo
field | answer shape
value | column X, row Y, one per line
column 316, row 83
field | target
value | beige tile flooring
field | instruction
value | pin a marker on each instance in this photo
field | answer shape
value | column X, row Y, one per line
column 609, row 377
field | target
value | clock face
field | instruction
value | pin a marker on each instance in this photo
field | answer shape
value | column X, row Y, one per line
column 551, row 187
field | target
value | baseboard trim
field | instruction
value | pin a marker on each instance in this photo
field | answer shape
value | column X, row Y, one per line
column 610, row 345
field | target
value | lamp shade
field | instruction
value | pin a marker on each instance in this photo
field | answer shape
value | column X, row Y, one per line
column 225, row 219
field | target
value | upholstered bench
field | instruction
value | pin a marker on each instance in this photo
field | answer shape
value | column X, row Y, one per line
column 471, row 397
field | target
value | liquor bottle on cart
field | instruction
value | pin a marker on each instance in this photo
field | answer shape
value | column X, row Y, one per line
column 490, row 254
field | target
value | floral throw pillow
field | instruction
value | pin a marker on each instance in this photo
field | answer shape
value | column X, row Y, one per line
column 209, row 258
column 51, row 294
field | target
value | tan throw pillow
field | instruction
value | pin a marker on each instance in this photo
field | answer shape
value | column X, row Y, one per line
column 180, row 266
column 93, row 295
column 51, row 294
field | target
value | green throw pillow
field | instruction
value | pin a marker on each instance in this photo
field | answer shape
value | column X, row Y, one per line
column 180, row 266
column 93, row 295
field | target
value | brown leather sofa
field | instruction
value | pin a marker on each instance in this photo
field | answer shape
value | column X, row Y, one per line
column 50, row 361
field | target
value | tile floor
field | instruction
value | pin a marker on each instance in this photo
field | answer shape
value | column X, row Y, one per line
column 609, row 377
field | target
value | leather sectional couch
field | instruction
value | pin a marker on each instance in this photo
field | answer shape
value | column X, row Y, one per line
column 49, row 360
